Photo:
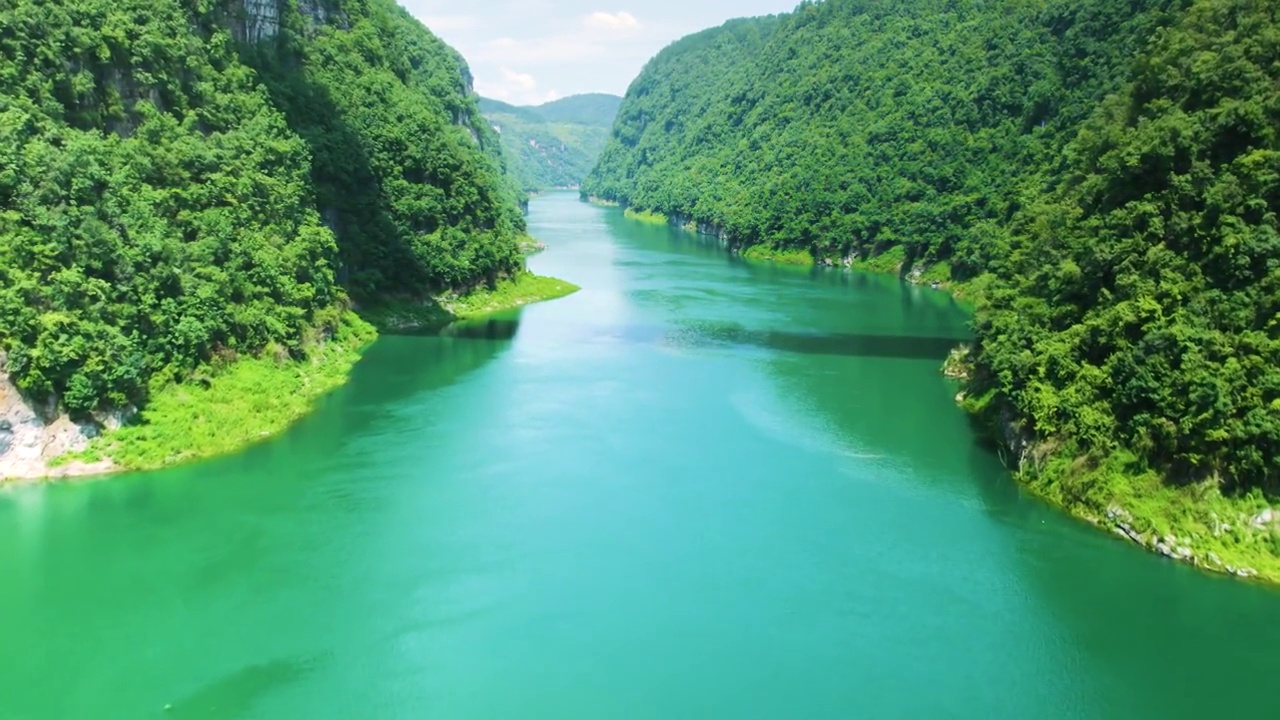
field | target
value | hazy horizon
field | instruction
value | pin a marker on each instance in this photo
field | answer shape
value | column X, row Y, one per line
column 533, row 51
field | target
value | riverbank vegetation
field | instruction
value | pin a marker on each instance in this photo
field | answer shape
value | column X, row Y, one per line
column 788, row 256
column 232, row 402
column 645, row 216
column 184, row 183
column 1102, row 176
column 433, row 313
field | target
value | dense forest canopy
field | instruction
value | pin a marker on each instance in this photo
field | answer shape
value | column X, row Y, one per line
column 1138, row 306
column 851, row 127
column 553, row 145
column 1106, row 172
column 594, row 109
column 182, row 180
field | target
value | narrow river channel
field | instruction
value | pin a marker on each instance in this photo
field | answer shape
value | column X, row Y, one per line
column 698, row 488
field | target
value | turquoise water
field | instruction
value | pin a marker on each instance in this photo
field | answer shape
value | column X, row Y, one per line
column 697, row 488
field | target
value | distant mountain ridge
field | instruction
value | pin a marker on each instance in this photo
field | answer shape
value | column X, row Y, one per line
column 553, row 145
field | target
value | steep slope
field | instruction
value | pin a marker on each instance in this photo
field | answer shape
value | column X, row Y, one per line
column 183, row 183
column 1135, row 323
column 387, row 111
column 555, row 144
column 856, row 127
column 1105, row 172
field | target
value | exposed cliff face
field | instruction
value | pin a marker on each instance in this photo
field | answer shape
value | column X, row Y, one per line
column 260, row 19
column 257, row 20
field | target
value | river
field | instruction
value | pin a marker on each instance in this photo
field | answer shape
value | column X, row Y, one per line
column 697, row 488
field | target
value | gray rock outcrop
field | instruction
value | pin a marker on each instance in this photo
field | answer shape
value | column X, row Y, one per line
column 32, row 435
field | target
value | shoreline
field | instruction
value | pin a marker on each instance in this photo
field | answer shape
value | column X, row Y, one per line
column 1175, row 534
column 409, row 316
column 251, row 400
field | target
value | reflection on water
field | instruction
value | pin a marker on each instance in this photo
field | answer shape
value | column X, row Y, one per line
column 693, row 334
column 234, row 694
column 560, row 512
column 495, row 328
column 903, row 347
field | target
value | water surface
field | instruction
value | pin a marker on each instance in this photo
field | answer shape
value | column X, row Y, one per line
column 697, row 488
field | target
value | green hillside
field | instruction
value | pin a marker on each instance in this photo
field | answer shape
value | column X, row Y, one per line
column 1104, row 177
column 553, row 145
column 183, row 183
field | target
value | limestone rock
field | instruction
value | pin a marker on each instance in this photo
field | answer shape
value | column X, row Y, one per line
column 32, row 435
column 261, row 19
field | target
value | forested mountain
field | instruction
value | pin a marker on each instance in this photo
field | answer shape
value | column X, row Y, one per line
column 860, row 127
column 181, row 180
column 1137, row 305
column 555, row 144
column 594, row 109
column 1105, row 173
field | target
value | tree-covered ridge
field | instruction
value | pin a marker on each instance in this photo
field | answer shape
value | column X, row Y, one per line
column 594, row 109
column 1139, row 308
column 387, row 110
column 1107, row 171
column 852, row 127
column 553, row 145
column 158, row 210
column 677, row 114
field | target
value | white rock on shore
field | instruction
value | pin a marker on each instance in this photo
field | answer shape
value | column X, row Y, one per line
column 31, row 436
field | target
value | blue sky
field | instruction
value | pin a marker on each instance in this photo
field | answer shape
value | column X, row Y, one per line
column 531, row 51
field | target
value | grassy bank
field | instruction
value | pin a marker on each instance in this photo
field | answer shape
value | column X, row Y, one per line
column 891, row 261
column 226, row 408
column 786, row 256
column 523, row 289
column 1193, row 522
column 433, row 313
column 646, row 216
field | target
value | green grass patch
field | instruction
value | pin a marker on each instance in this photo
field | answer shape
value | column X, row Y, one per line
column 398, row 315
column 646, row 216
column 787, row 256
column 523, row 289
column 394, row 315
column 889, row 261
column 1217, row 529
column 939, row 272
column 224, row 409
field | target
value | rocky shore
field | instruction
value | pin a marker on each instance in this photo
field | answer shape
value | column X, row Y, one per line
column 33, row 436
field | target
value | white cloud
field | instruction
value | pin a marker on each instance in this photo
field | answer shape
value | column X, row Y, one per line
column 601, row 34
column 516, row 88
column 449, row 23
column 622, row 20
column 554, row 49
column 572, row 45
